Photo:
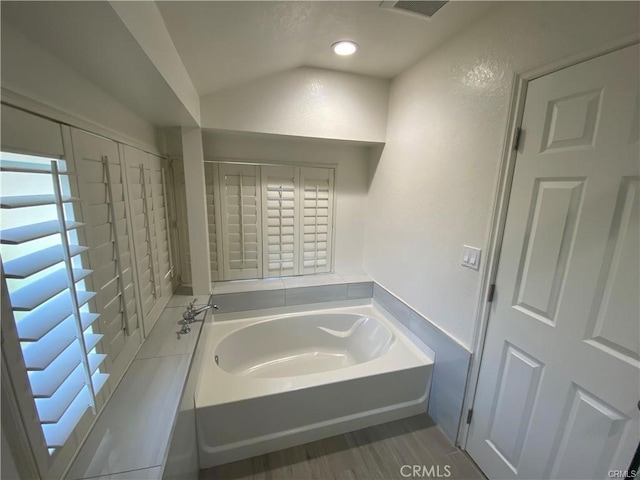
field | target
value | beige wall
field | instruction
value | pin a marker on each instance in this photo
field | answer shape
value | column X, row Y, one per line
column 434, row 187
column 306, row 102
column 34, row 73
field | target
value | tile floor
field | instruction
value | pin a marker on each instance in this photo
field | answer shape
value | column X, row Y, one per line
column 373, row 453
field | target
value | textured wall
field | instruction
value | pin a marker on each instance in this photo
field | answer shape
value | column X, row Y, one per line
column 29, row 70
column 435, row 184
column 307, row 102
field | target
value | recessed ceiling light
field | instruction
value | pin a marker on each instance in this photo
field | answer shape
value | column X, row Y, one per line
column 344, row 47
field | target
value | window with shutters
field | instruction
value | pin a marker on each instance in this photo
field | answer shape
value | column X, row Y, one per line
column 49, row 299
column 280, row 219
column 241, row 221
column 145, row 187
column 106, row 233
column 269, row 220
column 211, row 177
column 316, row 185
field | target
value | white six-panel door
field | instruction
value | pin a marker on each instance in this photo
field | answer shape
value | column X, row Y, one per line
column 559, row 382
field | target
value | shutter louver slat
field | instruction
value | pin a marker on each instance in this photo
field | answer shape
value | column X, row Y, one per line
column 20, row 201
column 18, row 235
column 28, row 167
column 27, row 265
column 51, row 409
column 39, row 355
column 91, row 340
column 44, row 383
column 34, row 294
column 40, row 321
column 95, row 360
column 99, row 380
column 57, row 434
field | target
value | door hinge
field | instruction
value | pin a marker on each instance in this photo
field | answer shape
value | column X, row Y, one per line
column 469, row 416
column 516, row 138
column 491, row 292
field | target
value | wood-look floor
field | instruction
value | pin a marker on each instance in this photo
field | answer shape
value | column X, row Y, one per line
column 375, row 453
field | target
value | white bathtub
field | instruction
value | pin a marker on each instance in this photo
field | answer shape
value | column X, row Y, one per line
column 271, row 382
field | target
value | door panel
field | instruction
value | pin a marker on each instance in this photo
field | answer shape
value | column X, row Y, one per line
column 519, row 380
column 560, row 377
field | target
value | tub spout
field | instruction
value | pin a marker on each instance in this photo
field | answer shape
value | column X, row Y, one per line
column 192, row 312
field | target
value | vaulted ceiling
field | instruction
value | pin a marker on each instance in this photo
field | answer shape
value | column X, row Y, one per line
column 157, row 58
column 226, row 43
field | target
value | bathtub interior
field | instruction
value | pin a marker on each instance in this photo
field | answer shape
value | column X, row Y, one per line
column 303, row 345
column 284, row 378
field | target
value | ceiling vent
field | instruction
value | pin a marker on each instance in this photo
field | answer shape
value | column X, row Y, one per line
column 418, row 8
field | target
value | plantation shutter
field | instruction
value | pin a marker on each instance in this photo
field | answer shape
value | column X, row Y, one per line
column 161, row 221
column 316, row 226
column 182, row 224
column 213, row 213
column 241, row 221
column 107, row 234
column 45, row 277
column 149, row 230
column 280, row 220
column 134, row 159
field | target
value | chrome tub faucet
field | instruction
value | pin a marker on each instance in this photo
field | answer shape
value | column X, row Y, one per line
column 192, row 312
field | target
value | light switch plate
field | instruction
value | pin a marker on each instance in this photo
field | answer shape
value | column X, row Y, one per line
column 471, row 257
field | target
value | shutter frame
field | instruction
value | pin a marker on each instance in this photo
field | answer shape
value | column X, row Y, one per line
column 56, row 296
column 316, row 220
column 280, row 207
column 236, row 231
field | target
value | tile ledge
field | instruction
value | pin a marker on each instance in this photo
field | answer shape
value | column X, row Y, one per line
column 159, row 469
column 285, row 283
column 422, row 317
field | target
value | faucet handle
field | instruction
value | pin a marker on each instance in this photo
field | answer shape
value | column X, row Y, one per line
column 215, row 307
column 191, row 306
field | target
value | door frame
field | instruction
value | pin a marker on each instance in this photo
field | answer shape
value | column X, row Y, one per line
column 519, row 86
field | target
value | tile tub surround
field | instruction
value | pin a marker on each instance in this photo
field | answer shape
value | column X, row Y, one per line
column 452, row 359
column 248, row 295
column 452, row 362
column 131, row 437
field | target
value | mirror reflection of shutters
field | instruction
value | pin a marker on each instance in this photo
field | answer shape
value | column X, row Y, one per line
column 280, row 220
column 317, row 219
column 241, row 221
column 149, row 206
column 181, row 228
column 210, row 179
column 158, row 200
